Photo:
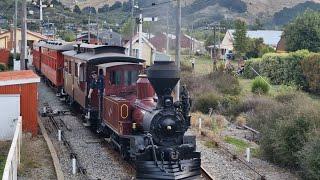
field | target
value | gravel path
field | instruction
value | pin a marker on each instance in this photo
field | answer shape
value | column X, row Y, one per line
column 99, row 160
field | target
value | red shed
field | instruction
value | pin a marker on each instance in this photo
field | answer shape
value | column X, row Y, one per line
column 23, row 83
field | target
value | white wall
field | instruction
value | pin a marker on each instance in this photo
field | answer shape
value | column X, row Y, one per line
column 9, row 113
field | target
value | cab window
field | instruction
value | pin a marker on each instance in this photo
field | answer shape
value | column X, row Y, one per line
column 130, row 77
column 115, row 77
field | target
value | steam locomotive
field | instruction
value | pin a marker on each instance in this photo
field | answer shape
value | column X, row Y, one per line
column 138, row 114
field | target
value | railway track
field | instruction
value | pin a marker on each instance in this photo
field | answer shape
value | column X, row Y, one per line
column 235, row 157
column 205, row 174
column 94, row 159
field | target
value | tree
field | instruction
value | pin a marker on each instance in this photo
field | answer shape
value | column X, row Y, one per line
column 116, row 5
column 104, row 9
column 257, row 25
column 126, row 28
column 77, row 9
column 68, row 36
column 304, row 32
column 240, row 38
column 256, row 48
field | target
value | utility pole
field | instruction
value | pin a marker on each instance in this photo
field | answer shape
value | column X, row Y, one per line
column 15, row 30
column 132, row 27
column 167, row 45
column 140, row 36
column 41, row 12
column 23, row 55
column 178, row 45
column 89, row 33
column 97, row 20
column 214, row 66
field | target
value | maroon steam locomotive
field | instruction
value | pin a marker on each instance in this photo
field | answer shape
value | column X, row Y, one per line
column 138, row 113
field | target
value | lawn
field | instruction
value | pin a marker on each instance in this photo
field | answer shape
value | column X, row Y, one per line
column 2, row 164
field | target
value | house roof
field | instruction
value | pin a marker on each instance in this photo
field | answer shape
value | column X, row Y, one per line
column 136, row 38
column 270, row 37
column 28, row 32
column 56, row 45
column 18, row 77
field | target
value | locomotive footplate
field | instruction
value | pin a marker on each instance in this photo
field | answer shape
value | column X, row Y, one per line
column 183, row 169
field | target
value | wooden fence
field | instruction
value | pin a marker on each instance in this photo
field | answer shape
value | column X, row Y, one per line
column 13, row 159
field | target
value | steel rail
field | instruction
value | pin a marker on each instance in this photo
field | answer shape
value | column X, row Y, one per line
column 205, row 174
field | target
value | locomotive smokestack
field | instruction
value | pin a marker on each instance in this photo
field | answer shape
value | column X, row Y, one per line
column 163, row 76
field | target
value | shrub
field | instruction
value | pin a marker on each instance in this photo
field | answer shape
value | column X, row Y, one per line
column 3, row 67
column 260, row 86
column 226, row 83
column 249, row 64
column 311, row 71
column 309, row 158
column 206, row 101
column 186, row 66
column 285, row 128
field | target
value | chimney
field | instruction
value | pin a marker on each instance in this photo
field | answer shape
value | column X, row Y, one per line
column 78, row 48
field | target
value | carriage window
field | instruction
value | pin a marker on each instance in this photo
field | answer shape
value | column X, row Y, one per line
column 76, row 70
column 130, row 77
column 69, row 68
column 115, row 77
column 82, row 73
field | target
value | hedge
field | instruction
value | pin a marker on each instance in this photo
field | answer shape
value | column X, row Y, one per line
column 280, row 68
column 311, row 71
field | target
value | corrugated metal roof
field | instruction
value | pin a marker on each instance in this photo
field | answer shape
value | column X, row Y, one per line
column 56, row 45
column 269, row 37
column 18, row 77
column 106, row 65
column 102, row 57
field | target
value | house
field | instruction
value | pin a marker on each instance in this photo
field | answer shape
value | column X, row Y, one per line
column 109, row 37
column 270, row 38
column 187, row 42
column 281, row 46
column 148, row 50
column 6, row 39
column 160, row 41
column 84, row 37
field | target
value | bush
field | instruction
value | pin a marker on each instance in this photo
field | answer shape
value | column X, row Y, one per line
column 311, row 71
column 206, row 101
column 226, row 83
column 309, row 158
column 285, row 128
column 185, row 66
column 249, row 64
column 260, row 86
column 3, row 67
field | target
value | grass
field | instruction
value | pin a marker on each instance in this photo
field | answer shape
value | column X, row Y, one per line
column 238, row 143
column 2, row 164
column 210, row 144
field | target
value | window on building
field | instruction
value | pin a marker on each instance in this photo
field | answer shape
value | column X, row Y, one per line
column 136, row 53
column 115, row 77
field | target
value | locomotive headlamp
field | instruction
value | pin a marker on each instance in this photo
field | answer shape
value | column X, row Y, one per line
column 169, row 128
column 168, row 102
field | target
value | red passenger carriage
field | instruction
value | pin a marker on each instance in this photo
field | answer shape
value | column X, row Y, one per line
column 50, row 62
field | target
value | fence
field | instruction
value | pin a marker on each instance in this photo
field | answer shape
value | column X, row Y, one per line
column 13, row 159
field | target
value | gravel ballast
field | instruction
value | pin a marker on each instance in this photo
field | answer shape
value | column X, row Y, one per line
column 99, row 160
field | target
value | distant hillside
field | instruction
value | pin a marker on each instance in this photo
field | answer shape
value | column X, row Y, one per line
column 86, row 3
column 287, row 14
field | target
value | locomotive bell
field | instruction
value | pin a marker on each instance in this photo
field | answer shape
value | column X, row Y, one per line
column 163, row 76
